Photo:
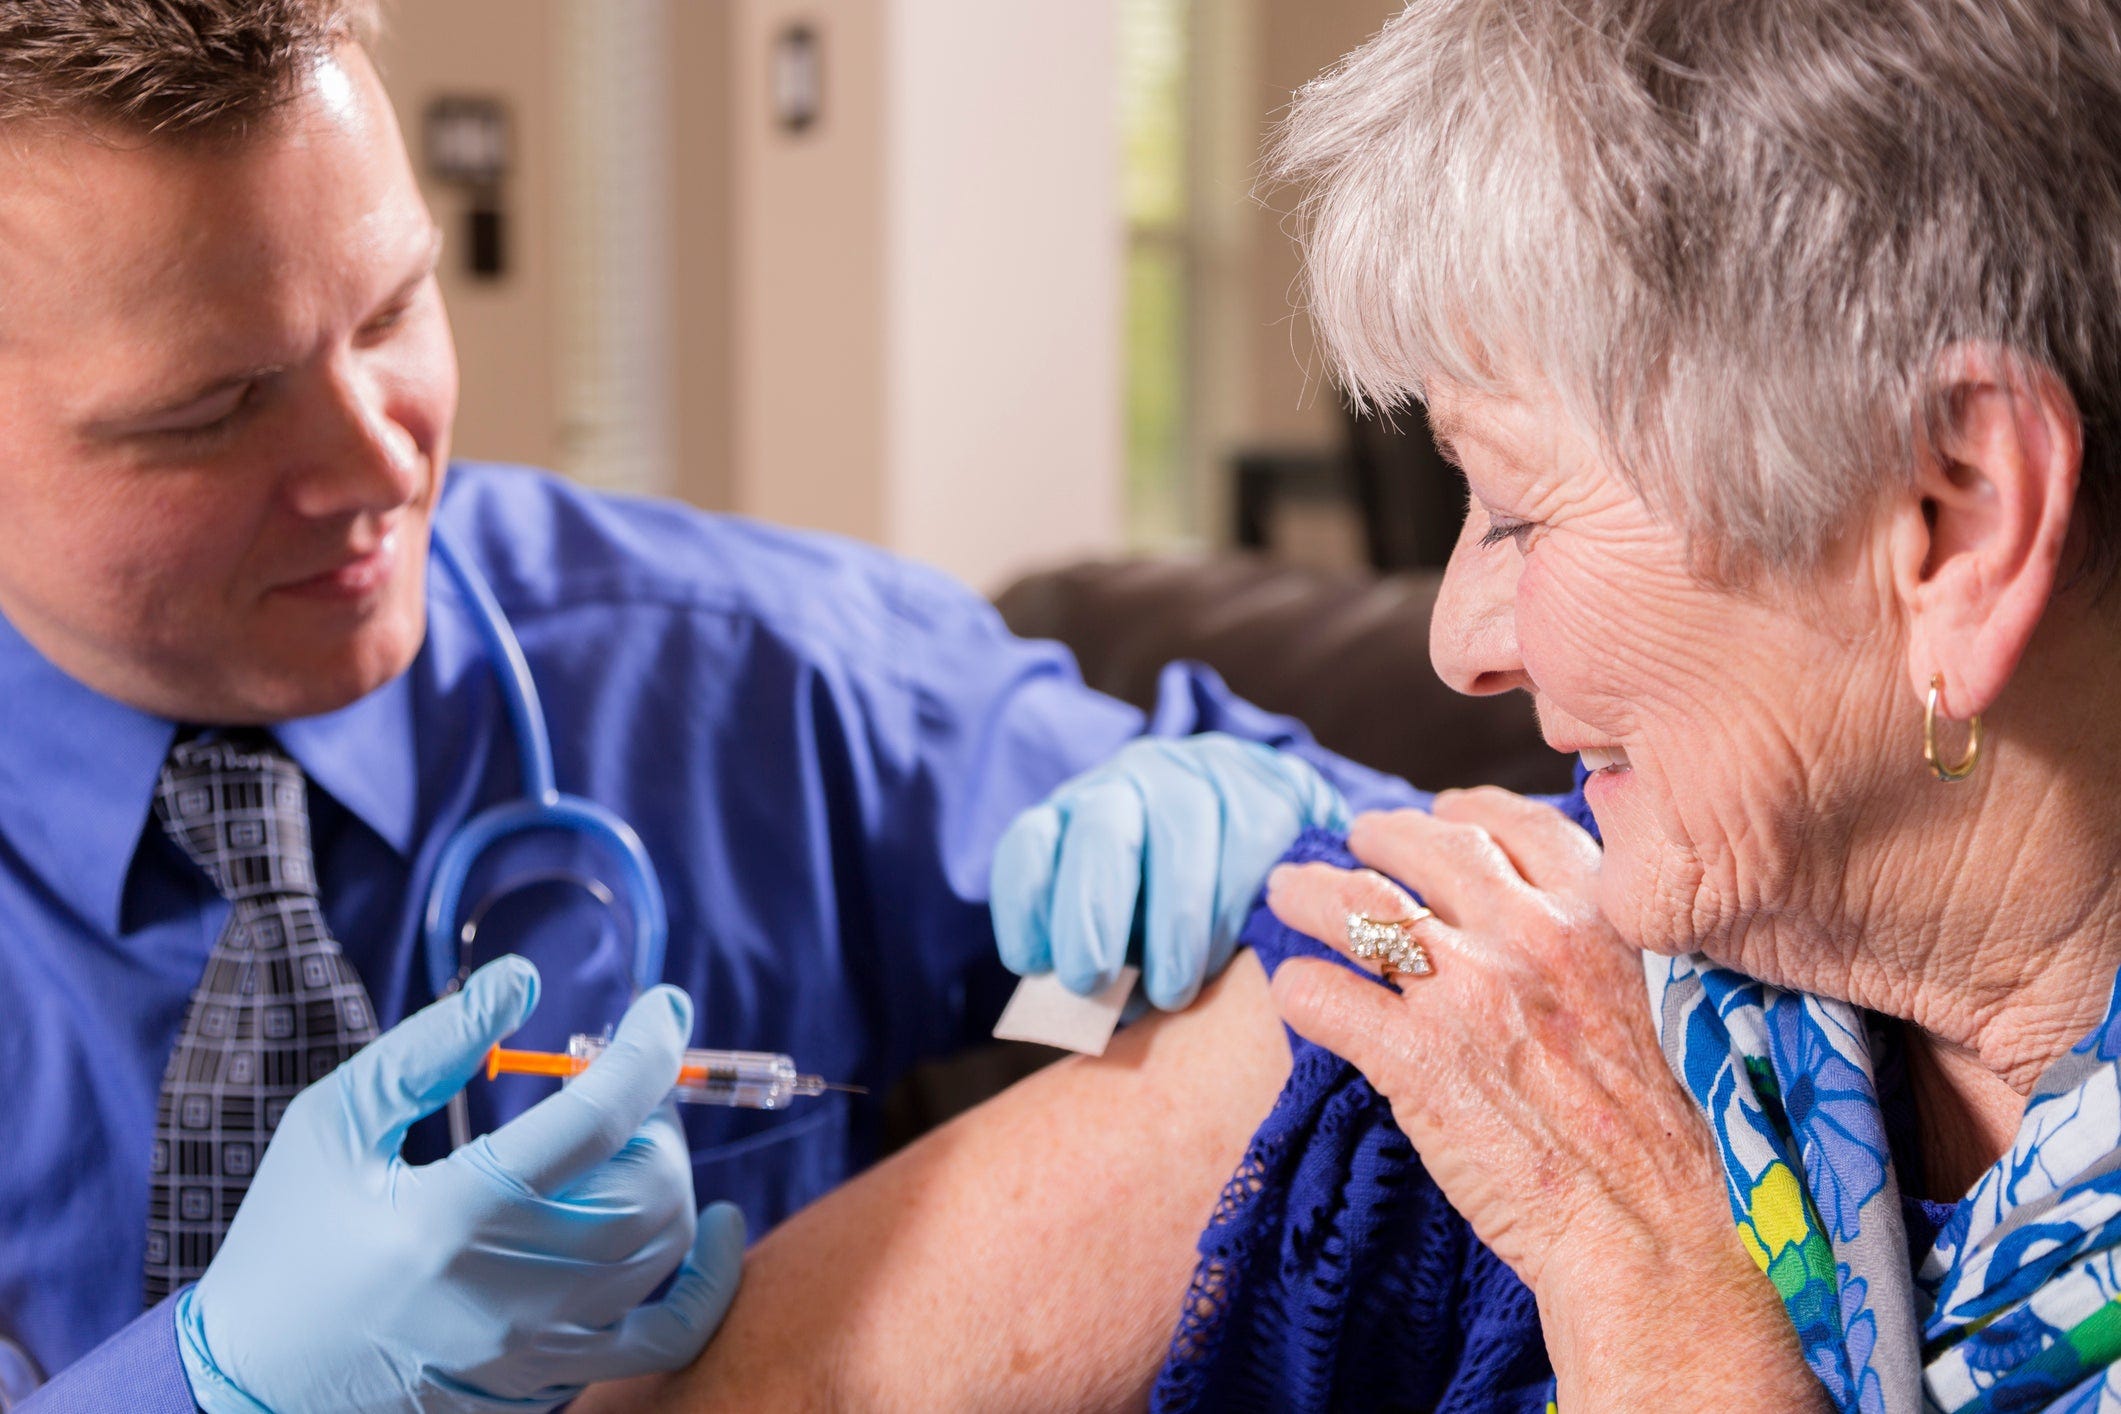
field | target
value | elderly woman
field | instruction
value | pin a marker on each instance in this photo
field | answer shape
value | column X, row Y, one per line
column 1777, row 342
column 1780, row 343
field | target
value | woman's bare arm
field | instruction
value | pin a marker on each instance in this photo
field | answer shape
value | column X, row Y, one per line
column 1030, row 1255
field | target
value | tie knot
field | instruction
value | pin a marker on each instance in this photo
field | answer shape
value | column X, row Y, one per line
column 238, row 808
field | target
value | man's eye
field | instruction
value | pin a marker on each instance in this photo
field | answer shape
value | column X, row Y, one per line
column 206, row 415
column 1500, row 530
column 387, row 321
column 202, row 423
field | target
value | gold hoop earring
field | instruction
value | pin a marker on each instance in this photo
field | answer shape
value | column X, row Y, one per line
column 1941, row 771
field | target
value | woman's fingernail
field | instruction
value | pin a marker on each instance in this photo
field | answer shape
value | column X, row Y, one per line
column 1279, row 876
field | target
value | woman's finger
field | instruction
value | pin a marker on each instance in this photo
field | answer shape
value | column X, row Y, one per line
column 1458, row 868
column 1549, row 849
column 1316, row 900
column 1364, row 1025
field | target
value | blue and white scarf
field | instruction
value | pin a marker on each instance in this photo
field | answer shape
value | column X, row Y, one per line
column 2018, row 1305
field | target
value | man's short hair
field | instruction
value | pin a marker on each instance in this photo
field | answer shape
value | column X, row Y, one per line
column 166, row 67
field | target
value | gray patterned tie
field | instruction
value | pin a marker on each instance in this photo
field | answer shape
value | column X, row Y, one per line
column 278, row 1007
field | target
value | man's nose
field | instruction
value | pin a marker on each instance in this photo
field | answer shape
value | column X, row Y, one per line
column 358, row 457
column 1473, row 631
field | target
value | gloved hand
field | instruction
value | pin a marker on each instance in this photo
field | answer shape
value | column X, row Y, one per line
column 508, row 1275
column 1186, row 829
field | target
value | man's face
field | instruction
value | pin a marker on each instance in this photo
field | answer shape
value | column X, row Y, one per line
column 226, row 390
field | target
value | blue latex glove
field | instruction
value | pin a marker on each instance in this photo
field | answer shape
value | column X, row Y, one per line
column 508, row 1275
column 1175, row 836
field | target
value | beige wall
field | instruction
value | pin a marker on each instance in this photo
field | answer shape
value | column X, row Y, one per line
column 1003, row 349
column 809, row 277
column 508, row 333
column 927, row 282
column 702, row 159
column 513, row 334
column 901, row 324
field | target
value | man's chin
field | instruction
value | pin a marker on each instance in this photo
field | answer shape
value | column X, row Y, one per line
column 316, row 685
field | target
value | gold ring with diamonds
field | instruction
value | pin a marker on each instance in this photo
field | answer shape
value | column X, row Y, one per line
column 1390, row 942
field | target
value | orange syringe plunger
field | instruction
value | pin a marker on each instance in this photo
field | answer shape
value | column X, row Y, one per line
column 502, row 1061
column 755, row 1080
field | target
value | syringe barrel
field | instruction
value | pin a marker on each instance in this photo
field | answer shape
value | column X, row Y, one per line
column 752, row 1080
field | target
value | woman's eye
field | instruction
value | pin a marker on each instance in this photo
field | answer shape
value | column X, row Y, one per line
column 1501, row 529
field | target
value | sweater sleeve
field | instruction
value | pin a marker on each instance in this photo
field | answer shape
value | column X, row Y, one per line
column 1333, row 1273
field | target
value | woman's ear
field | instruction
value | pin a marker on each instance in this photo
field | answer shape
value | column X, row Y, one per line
column 1978, row 548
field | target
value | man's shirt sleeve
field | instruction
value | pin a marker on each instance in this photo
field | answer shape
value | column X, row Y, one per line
column 137, row 1370
column 996, row 723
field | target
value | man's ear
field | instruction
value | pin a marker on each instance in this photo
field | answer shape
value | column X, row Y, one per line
column 1979, row 545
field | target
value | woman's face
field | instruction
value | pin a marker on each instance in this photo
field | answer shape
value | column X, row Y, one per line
column 1740, row 738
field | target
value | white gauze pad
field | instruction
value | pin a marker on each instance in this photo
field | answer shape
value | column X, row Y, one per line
column 1044, row 1011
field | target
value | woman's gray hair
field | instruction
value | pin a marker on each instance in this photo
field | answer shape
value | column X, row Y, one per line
column 1734, row 236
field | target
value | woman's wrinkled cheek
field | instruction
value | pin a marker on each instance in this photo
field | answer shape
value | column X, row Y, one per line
column 1639, row 658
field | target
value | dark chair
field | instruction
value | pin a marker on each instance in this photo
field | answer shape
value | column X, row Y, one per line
column 1346, row 654
column 1408, row 501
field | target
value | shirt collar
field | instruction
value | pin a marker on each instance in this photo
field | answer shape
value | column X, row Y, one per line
column 363, row 757
column 77, row 778
column 78, row 773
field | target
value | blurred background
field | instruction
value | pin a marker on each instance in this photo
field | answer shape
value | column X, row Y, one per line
column 986, row 282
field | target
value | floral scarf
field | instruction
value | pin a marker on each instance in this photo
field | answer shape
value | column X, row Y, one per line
column 2018, row 1305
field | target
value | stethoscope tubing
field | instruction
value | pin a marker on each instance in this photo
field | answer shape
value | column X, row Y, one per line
column 542, row 806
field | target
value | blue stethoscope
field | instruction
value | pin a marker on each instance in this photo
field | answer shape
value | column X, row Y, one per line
column 447, row 937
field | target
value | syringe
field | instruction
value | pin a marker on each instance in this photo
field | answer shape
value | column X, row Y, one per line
column 752, row 1080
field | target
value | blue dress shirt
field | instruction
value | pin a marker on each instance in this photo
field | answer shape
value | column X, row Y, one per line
column 819, row 745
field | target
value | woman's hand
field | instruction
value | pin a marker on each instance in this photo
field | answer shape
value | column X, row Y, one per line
column 1527, row 1073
